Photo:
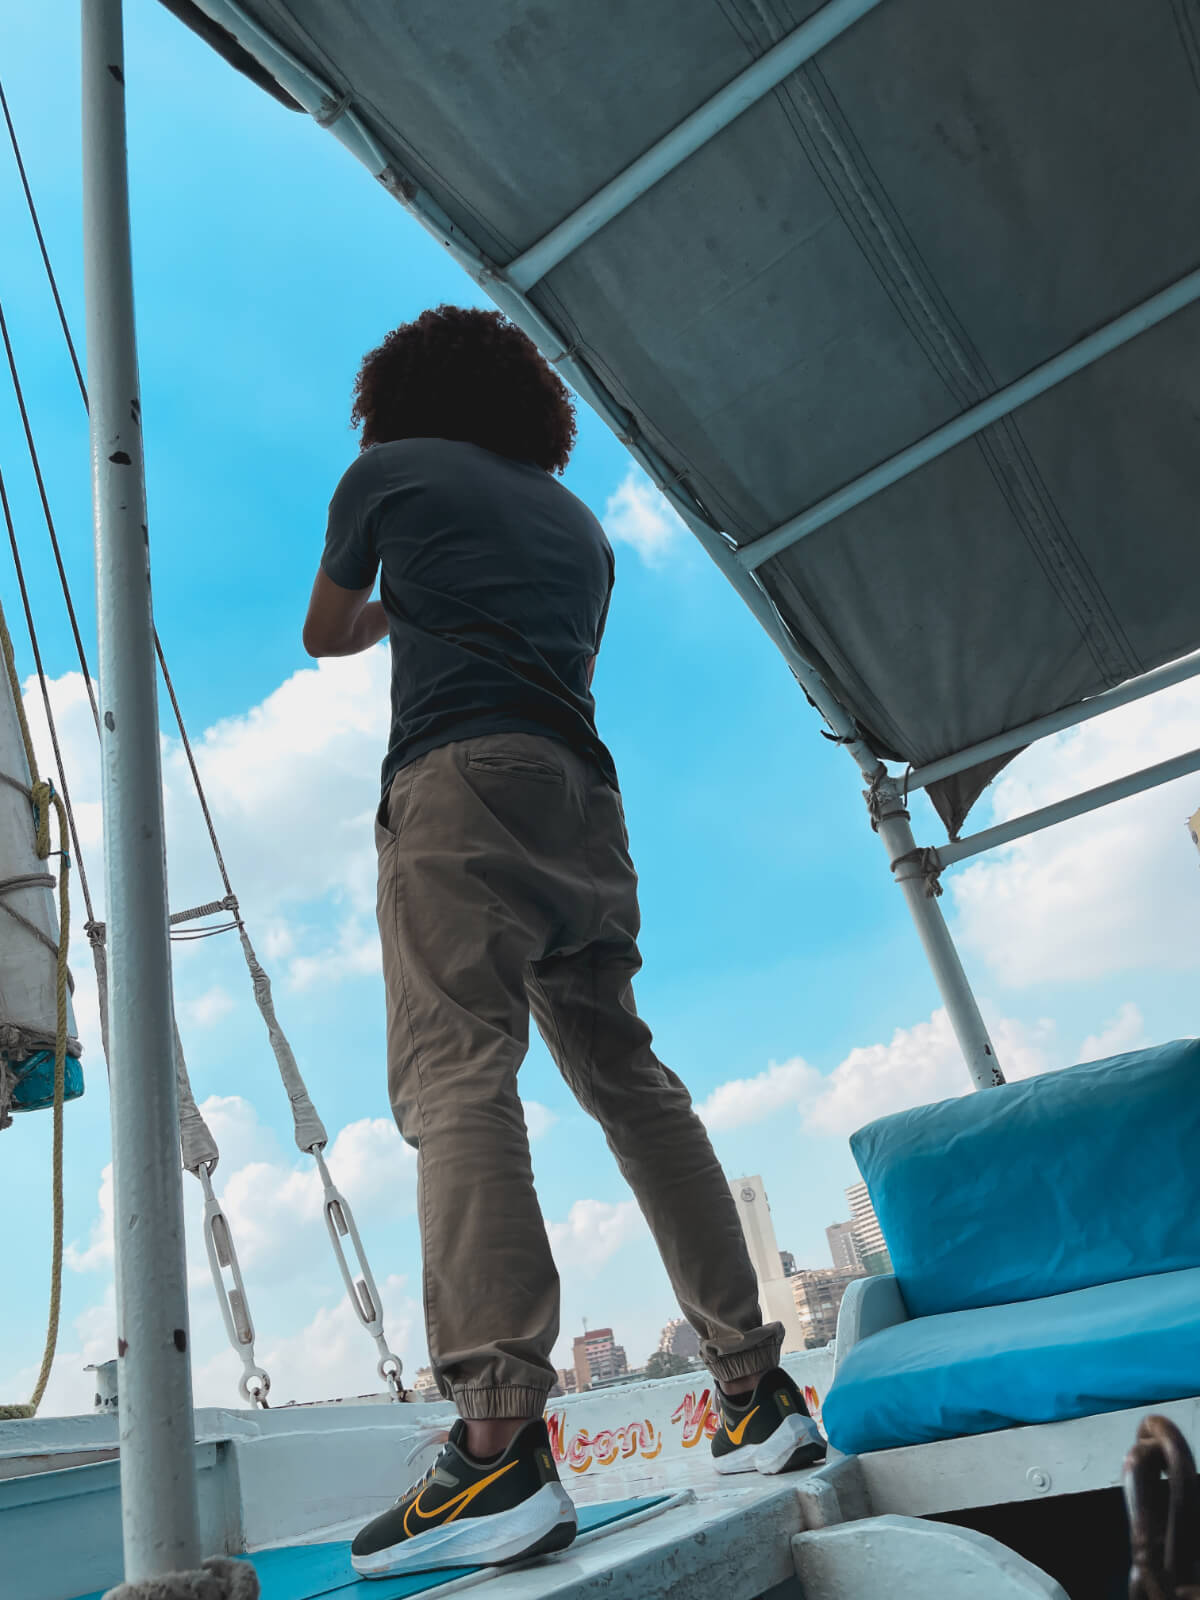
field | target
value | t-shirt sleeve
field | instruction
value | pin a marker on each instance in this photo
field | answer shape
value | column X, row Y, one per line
column 350, row 558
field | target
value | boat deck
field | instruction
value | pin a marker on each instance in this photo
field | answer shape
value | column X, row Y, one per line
column 291, row 1486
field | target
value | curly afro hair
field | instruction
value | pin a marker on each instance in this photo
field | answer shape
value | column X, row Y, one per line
column 458, row 373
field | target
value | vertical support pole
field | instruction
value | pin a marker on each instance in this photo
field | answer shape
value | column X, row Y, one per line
column 158, row 1473
column 890, row 816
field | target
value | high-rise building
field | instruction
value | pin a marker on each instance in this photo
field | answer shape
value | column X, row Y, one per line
column 818, row 1295
column 842, row 1246
column 679, row 1338
column 597, row 1358
column 425, row 1385
column 774, row 1291
column 868, row 1235
column 568, row 1382
column 788, row 1262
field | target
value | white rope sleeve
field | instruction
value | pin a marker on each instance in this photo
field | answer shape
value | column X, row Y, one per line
column 196, row 1143
column 310, row 1130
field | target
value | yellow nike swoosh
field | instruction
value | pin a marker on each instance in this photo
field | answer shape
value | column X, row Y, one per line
column 457, row 1503
column 736, row 1434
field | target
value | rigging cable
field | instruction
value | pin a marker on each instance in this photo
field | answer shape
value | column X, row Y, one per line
column 199, row 1148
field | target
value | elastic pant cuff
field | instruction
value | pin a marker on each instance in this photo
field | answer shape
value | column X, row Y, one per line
column 746, row 1363
column 484, row 1403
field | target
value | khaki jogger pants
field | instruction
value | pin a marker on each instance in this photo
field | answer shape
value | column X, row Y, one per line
column 505, row 886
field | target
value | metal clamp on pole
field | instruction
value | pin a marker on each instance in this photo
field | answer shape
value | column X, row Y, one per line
column 364, row 1296
column 915, row 870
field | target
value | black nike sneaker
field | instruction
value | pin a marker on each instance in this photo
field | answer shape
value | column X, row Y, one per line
column 468, row 1513
column 768, row 1430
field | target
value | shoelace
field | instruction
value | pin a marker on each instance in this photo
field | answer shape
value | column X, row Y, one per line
column 435, row 1436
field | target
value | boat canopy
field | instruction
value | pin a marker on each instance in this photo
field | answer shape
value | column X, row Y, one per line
column 897, row 299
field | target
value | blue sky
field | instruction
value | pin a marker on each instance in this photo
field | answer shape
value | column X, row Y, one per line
column 782, row 977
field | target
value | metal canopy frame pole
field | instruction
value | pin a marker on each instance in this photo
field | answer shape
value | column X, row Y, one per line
column 695, row 131
column 337, row 113
column 158, row 1473
column 916, row 874
column 1000, row 744
column 1074, row 806
column 965, row 426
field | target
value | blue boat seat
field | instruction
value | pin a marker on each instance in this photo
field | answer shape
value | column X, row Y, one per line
column 1046, row 1241
column 1106, row 1348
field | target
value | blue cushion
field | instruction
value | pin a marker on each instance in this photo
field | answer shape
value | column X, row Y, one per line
column 1073, row 1178
column 1070, row 1355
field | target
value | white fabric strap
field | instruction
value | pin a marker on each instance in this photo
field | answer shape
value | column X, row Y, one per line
column 310, row 1130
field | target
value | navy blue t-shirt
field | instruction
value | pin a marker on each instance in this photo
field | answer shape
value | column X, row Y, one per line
column 495, row 581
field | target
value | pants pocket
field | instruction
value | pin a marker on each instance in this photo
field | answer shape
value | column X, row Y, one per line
column 512, row 764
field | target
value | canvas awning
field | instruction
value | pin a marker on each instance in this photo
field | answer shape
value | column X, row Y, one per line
column 936, row 201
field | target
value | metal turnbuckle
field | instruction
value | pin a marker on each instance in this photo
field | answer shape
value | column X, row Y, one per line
column 254, row 1382
column 364, row 1296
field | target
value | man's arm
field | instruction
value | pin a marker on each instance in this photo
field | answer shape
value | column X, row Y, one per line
column 341, row 622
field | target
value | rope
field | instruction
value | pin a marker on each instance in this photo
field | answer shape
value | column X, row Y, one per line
column 218, row 1579
column 44, row 798
column 929, row 866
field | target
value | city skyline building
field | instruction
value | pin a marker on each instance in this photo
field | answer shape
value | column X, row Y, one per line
column 818, row 1295
column 425, row 1384
column 868, row 1235
column 679, row 1338
column 842, row 1247
column 598, row 1358
column 774, row 1290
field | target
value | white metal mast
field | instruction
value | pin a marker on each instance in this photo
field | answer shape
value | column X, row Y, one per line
column 158, row 1475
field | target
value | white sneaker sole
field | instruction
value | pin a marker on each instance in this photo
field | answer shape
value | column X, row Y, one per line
column 543, row 1523
column 796, row 1442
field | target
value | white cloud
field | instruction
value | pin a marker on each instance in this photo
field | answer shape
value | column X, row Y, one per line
column 637, row 514
column 98, row 1252
column 1116, row 891
column 745, row 1100
column 276, row 1210
column 539, row 1119
column 292, row 785
column 594, row 1231
column 1125, row 1031
column 919, row 1065
column 356, row 954
column 207, row 1008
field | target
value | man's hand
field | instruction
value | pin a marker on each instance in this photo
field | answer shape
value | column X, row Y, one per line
column 341, row 622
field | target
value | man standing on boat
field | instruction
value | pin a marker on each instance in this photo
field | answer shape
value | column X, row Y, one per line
column 505, row 888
